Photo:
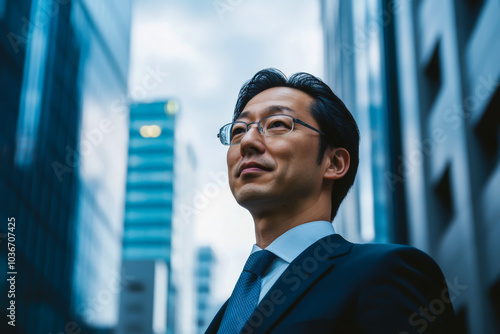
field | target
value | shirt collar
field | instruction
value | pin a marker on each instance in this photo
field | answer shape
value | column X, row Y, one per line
column 296, row 240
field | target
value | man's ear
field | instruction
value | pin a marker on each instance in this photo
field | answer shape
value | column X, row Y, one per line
column 338, row 160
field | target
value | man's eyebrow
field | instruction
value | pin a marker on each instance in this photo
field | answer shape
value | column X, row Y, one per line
column 277, row 108
column 269, row 110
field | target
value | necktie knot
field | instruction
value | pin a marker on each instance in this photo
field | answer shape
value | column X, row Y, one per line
column 259, row 261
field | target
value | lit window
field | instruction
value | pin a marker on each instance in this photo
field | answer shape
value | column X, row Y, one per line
column 150, row 131
column 171, row 107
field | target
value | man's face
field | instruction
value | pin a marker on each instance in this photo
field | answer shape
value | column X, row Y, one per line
column 266, row 173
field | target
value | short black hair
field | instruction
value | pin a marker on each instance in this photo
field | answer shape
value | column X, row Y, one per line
column 328, row 110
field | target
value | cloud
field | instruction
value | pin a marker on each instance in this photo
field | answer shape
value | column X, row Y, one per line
column 208, row 59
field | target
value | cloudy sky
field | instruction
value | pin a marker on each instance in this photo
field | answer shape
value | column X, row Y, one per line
column 205, row 51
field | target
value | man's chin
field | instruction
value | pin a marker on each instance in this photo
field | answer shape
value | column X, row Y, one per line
column 250, row 195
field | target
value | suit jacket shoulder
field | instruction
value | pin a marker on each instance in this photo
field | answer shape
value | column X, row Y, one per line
column 336, row 286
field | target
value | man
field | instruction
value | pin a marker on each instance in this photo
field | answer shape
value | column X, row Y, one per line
column 292, row 157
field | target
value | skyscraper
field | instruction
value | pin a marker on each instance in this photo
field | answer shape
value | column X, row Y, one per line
column 150, row 187
column 63, row 65
column 422, row 78
column 101, row 159
column 148, row 211
column 356, row 71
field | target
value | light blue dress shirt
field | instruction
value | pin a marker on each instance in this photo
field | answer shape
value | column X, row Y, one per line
column 288, row 246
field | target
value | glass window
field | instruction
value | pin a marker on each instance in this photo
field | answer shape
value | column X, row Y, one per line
column 147, row 232
column 149, row 215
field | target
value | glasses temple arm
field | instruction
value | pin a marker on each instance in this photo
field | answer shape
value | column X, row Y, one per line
column 310, row 127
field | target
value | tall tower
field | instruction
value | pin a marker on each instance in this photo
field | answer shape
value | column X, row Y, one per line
column 150, row 189
column 63, row 66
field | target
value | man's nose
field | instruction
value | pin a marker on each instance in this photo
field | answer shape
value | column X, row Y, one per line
column 252, row 140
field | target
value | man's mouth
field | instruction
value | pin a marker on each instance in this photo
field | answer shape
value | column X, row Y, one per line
column 251, row 167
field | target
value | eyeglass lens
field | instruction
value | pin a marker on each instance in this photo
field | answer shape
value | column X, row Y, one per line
column 274, row 125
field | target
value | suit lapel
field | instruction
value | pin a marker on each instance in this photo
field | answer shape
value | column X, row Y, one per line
column 300, row 275
column 214, row 325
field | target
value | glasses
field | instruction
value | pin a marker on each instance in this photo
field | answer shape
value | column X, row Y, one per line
column 270, row 126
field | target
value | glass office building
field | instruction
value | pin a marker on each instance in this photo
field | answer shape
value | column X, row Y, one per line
column 150, row 188
column 63, row 66
column 422, row 79
column 160, row 183
column 356, row 71
column 103, row 149
column 148, row 212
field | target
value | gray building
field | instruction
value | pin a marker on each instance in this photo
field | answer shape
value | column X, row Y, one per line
column 143, row 299
column 421, row 78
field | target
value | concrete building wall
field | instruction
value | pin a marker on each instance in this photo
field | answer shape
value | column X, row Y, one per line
column 440, row 76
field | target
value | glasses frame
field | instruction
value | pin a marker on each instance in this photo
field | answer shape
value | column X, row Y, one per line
column 261, row 130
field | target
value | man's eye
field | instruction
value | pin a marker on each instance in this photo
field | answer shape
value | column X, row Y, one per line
column 237, row 131
column 277, row 124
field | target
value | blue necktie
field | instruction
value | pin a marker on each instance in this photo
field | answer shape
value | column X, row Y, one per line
column 246, row 293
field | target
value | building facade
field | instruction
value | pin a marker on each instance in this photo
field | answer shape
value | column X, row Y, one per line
column 56, row 124
column 356, row 70
column 143, row 299
column 204, row 287
column 101, row 159
column 184, row 222
column 150, row 189
column 421, row 78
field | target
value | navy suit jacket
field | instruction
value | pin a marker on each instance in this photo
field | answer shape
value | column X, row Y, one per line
column 335, row 286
